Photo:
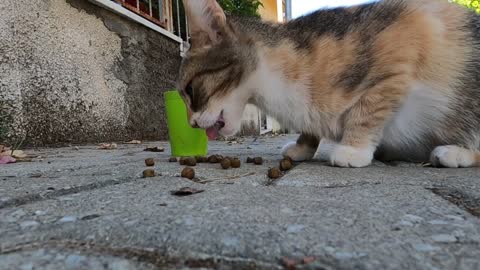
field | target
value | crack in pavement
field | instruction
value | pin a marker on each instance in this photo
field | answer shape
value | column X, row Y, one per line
column 464, row 201
column 26, row 199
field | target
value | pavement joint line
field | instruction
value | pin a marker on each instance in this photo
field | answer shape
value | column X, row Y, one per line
column 458, row 198
column 154, row 256
column 31, row 198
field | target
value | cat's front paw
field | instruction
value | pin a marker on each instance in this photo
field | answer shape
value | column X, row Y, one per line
column 298, row 152
column 351, row 157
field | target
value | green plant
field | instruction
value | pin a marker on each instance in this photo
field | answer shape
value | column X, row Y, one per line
column 241, row 7
column 471, row 4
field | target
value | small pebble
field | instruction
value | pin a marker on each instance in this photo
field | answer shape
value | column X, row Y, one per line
column 444, row 238
column 150, row 162
column 250, row 160
column 258, row 161
column 29, row 223
column 188, row 172
column 148, row 173
column 67, row 219
column 40, row 213
column 226, row 163
column 173, row 159
column 236, row 163
column 274, row 173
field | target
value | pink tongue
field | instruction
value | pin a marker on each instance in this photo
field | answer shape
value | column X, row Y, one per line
column 212, row 132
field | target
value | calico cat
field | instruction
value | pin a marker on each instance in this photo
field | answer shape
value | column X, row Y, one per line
column 394, row 80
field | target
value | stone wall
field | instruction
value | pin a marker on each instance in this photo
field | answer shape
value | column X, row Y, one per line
column 72, row 72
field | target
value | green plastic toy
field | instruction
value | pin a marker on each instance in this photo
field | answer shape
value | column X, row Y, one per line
column 185, row 141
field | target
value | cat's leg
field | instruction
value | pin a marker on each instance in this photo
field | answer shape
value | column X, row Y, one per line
column 454, row 156
column 303, row 149
column 365, row 121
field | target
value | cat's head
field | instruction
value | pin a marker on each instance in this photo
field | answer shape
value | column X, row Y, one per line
column 213, row 73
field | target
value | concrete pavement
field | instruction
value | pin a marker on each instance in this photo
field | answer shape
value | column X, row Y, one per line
column 84, row 208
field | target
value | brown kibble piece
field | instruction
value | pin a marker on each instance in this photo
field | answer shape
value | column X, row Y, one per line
column 285, row 165
column 201, row 159
column 150, row 162
column 173, row 159
column 226, row 163
column 182, row 161
column 274, row 173
column 213, row 159
column 258, row 161
column 191, row 162
column 250, row 160
column 236, row 163
column 149, row 173
column 188, row 172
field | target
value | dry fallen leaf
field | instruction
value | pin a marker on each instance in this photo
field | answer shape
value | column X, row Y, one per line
column 7, row 160
column 154, row 149
column 108, row 146
column 19, row 154
column 134, row 142
column 186, row 191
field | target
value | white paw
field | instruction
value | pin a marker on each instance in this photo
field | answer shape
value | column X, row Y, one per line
column 349, row 156
column 326, row 148
column 452, row 156
column 298, row 152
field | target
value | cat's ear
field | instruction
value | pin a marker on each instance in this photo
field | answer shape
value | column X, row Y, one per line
column 206, row 21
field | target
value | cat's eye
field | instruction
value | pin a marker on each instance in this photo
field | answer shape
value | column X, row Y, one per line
column 189, row 91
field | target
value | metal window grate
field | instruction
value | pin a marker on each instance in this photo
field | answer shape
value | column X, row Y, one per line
column 168, row 14
column 156, row 11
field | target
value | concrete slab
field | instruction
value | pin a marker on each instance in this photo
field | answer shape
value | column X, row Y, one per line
column 382, row 217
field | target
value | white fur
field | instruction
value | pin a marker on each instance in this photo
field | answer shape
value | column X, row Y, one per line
column 348, row 156
column 452, row 156
column 288, row 102
column 298, row 152
column 422, row 110
column 232, row 106
column 326, row 149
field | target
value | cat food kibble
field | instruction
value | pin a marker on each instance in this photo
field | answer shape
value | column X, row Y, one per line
column 226, row 163
column 182, row 161
column 213, row 159
column 201, row 159
column 236, row 163
column 172, row 159
column 149, row 173
column 188, row 172
column 192, row 162
column 150, row 162
column 285, row 165
column 258, row 161
column 274, row 173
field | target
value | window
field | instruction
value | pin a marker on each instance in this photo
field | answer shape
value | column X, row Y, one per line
column 156, row 11
column 168, row 14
